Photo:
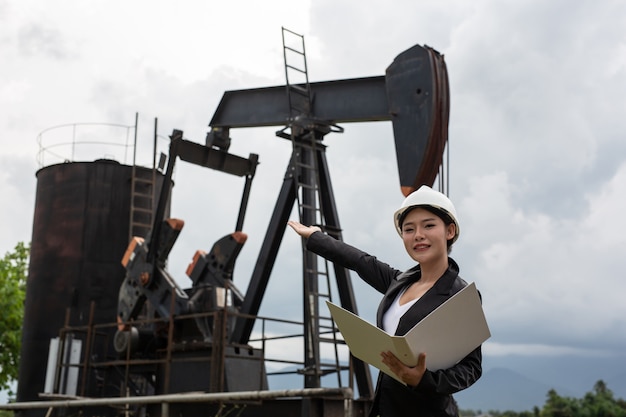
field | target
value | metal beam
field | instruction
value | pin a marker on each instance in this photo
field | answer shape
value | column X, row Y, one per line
column 340, row 101
column 345, row 393
column 216, row 159
column 265, row 261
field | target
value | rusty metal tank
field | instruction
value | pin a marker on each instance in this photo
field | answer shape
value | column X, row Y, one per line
column 80, row 232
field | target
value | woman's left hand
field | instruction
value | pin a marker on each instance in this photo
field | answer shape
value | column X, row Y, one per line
column 411, row 375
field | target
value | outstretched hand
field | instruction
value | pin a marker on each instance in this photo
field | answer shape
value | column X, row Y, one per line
column 410, row 375
column 302, row 230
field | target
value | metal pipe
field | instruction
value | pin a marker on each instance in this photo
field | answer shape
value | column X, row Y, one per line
column 346, row 393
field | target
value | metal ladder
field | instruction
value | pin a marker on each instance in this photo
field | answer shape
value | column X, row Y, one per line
column 141, row 202
column 306, row 143
column 142, row 194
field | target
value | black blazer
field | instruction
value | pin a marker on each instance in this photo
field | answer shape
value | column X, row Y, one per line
column 433, row 395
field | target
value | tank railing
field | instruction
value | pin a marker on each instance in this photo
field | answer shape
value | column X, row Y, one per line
column 70, row 141
column 90, row 141
column 92, row 331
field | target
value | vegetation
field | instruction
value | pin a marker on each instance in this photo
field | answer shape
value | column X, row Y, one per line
column 598, row 403
column 13, row 270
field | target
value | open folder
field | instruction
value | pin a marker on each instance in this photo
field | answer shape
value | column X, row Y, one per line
column 446, row 335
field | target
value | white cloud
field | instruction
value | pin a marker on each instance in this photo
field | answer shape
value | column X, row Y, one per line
column 606, row 219
column 17, row 187
column 543, row 273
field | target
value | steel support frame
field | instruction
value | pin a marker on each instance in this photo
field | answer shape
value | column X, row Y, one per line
column 267, row 257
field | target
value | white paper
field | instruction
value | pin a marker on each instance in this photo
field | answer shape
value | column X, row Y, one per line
column 446, row 335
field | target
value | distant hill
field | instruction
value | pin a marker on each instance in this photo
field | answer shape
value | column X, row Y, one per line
column 503, row 389
column 569, row 375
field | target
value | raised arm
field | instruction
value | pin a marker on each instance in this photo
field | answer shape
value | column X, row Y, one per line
column 377, row 274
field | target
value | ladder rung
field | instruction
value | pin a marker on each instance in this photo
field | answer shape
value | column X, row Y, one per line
column 144, row 180
column 318, row 272
column 333, row 231
column 322, row 275
column 299, row 89
column 143, row 174
column 322, row 295
column 142, row 197
column 142, row 210
column 295, row 68
column 289, row 48
column 301, row 165
column 308, row 186
column 143, row 193
column 137, row 224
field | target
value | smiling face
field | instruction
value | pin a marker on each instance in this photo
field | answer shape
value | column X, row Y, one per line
column 425, row 236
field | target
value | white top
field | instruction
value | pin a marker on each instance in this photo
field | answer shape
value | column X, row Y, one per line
column 391, row 318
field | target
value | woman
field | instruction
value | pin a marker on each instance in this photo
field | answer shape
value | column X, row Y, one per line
column 428, row 225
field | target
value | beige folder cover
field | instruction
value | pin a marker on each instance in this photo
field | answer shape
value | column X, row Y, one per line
column 446, row 335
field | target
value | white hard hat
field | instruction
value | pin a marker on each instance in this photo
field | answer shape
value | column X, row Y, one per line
column 426, row 196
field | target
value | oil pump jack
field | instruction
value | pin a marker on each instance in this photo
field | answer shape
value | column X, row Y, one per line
column 413, row 95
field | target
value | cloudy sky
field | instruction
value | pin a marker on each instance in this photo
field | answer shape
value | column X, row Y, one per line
column 537, row 140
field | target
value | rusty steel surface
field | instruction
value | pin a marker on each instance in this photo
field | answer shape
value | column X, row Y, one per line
column 80, row 233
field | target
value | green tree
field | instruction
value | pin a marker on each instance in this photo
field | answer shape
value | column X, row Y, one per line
column 597, row 403
column 557, row 406
column 13, row 270
column 600, row 403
